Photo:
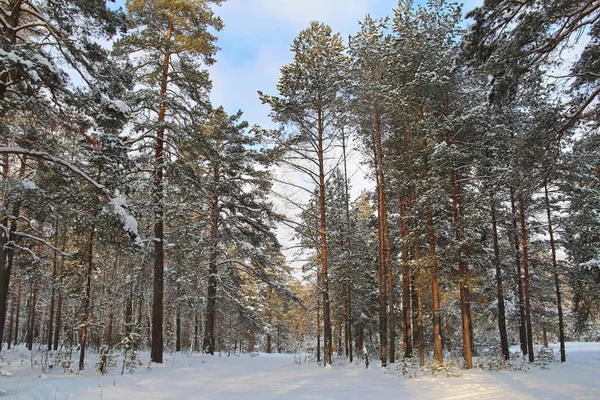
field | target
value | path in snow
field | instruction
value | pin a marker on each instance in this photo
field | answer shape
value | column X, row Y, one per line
column 275, row 376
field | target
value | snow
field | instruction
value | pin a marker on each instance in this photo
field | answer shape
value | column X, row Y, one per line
column 28, row 184
column 130, row 224
column 119, row 105
column 277, row 376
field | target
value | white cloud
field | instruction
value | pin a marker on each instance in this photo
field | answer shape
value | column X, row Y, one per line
column 337, row 13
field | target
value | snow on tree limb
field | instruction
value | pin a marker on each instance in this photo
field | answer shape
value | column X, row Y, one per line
column 119, row 205
column 43, row 156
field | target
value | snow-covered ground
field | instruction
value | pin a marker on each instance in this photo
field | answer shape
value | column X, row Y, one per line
column 276, row 376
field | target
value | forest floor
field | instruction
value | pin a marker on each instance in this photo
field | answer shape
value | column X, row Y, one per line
column 278, row 376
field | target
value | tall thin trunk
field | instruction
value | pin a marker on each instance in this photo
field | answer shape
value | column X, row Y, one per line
column 178, row 320
column 229, row 337
column 463, row 267
column 178, row 330
column 196, row 334
column 390, row 290
column 420, row 336
column 12, row 319
column 327, row 333
column 437, row 329
column 88, row 298
column 7, row 249
column 18, row 312
column 383, row 239
column 318, row 330
column 561, row 327
column 31, row 319
column 515, row 232
column 360, row 333
column 406, row 306
column 348, row 246
column 270, row 320
column 278, row 336
column 110, row 327
column 526, row 281
column 129, row 309
column 251, row 340
column 500, row 290
column 463, row 276
column 208, row 345
column 59, row 300
column 437, row 335
column 156, row 353
column 53, row 293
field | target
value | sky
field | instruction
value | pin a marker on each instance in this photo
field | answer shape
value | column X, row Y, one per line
column 255, row 44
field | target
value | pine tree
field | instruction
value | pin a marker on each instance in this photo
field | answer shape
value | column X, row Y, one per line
column 165, row 41
column 368, row 73
column 311, row 100
column 240, row 215
column 512, row 41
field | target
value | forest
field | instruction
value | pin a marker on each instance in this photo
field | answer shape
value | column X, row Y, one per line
column 137, row 216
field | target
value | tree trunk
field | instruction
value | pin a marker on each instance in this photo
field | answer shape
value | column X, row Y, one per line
column 500, row 290
column 327, row 333
column 406, row 306
column 12, row 319
column 437, row 337
column 463, row 276
column 197, row 334
column 229, row 338
column 53, row 293
column 178, row 330
column 522, row 328
column 129, row 309
column 347, row 286
column 463, row 267
column 208, row 345
column 17, row 312
column 384, row 270
column 156, row 353
column 88, row 298
column 251, row 340
column 561, row 327
column 437, row 330
column 7, row 248
column 418, row 291
column 31, row 319
column 360, row 336
column 270, row 320
column 526, row 281
column 278, row 337
column 318, row 331
column 390, row 291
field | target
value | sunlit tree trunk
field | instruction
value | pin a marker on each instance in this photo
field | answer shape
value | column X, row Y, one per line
column 327, row 333
column 156, row 353
column 561, row 327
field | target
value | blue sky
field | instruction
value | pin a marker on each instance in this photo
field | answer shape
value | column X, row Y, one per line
column 255, row 44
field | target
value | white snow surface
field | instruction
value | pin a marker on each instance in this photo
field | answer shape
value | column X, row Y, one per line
column 276, row 376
